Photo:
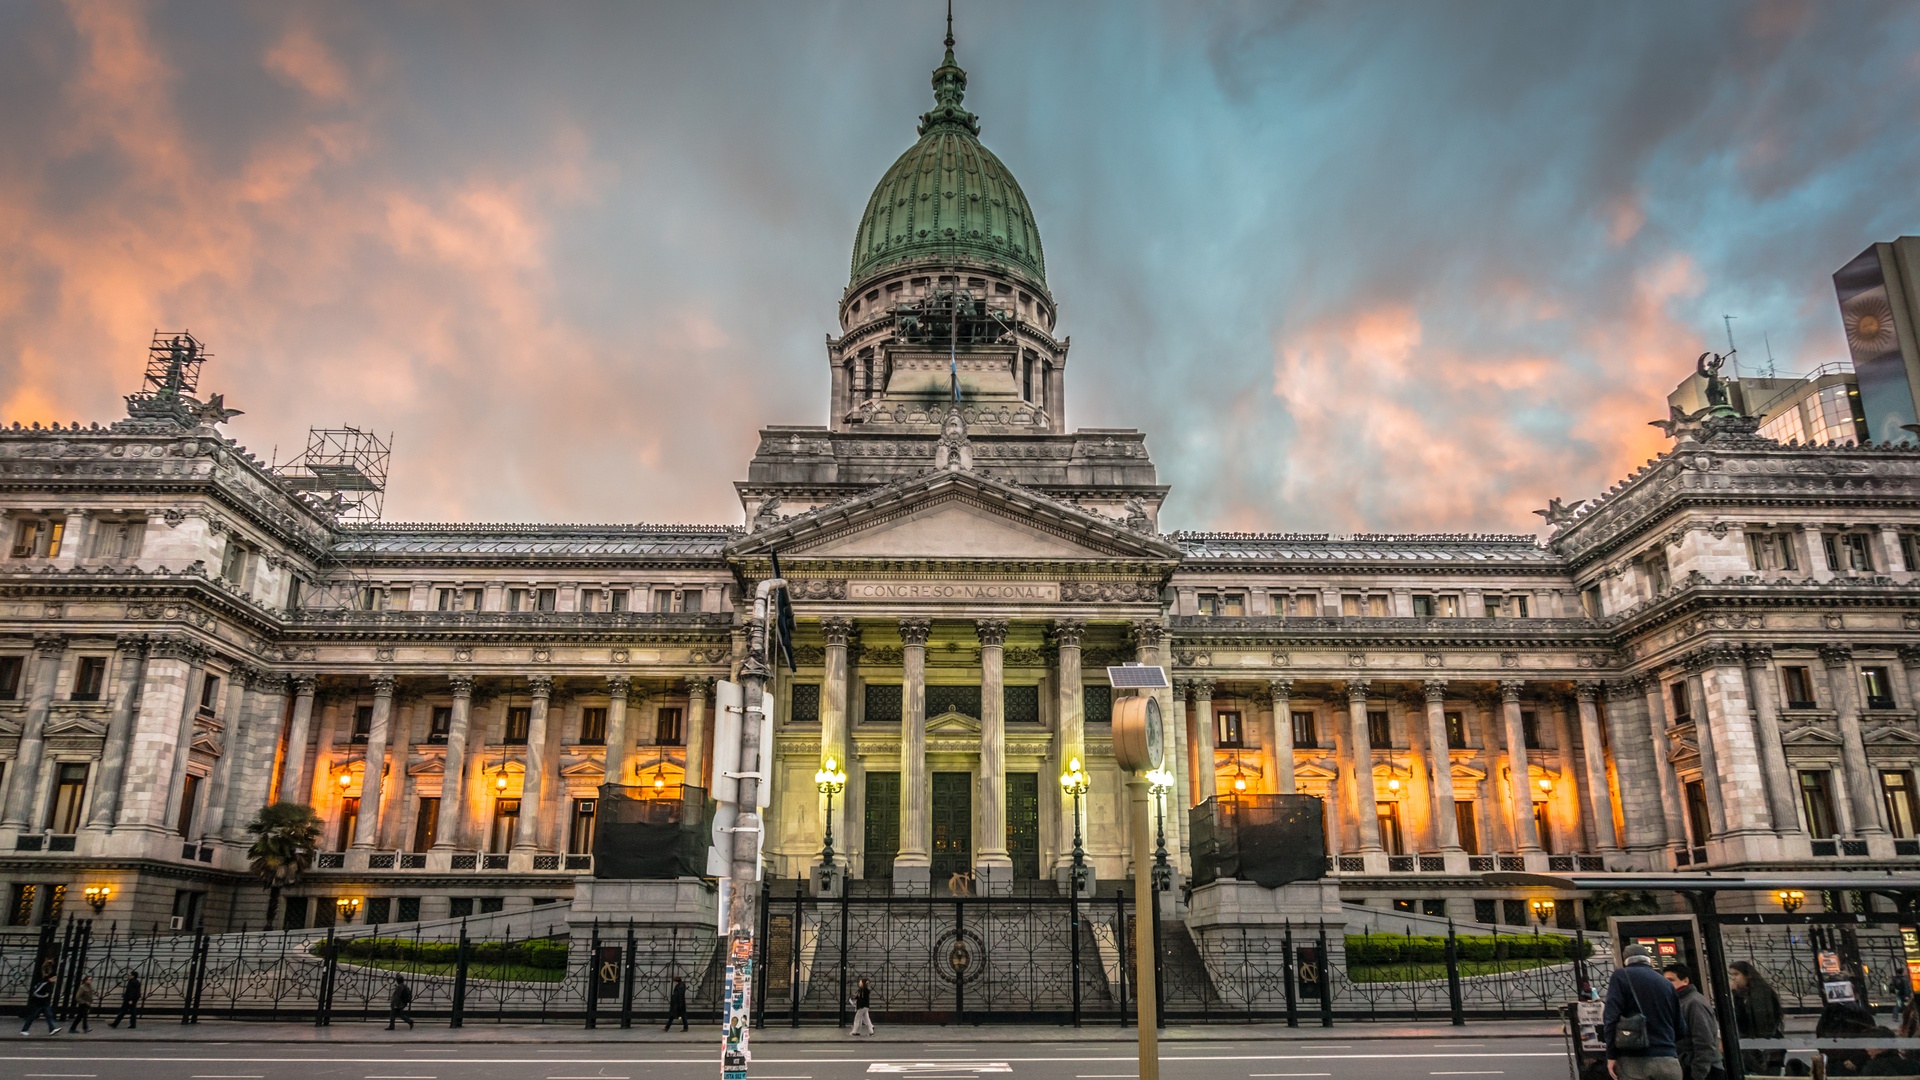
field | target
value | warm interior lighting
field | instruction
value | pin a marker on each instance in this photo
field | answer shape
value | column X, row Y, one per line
column 347, row 906
column 1393, row 784
column 1790, row 899
column 1546, row 784
column 1239, row 784
column 1543, row 909
column 660, row 783
column 1160, row 780
column 346, row 780
column 500, row 781
column 97, row 896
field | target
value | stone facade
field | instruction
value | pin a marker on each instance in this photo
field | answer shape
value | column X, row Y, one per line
column 1711, row 665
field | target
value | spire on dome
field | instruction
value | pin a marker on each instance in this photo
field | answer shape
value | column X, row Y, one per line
column 949, row 89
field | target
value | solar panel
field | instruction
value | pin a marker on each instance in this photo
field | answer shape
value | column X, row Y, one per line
column 1137, row 677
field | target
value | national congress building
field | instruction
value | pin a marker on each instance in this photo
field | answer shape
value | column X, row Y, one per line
column 1714, row 664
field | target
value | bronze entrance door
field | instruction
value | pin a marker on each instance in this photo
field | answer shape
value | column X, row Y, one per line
column 952, row 826
column 882, row 825
column 1023, row 824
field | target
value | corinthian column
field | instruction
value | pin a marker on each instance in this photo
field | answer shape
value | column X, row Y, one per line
column 912, row 866
column 1206, row 772
column 991, row 860
column 533, row 788
column 1446, row 830
column 453, row 767
column 25, row 772
column 294, row 785
column 1518, row 781
column 1070, row 741
column 1361, row 743
column 1599, row 801
column 1282, row 736
column 130, row 671
column 833, row 717
column 367, row 826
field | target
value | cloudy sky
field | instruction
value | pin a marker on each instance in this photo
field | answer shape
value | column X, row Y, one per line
column 1352, row 267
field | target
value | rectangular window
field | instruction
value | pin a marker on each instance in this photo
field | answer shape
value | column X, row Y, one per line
column 883, row 703
column 426, row 823
column 580, row 829
column 118, row 539
column 1449, row 607
column 1096, row 704
column 805, row 707
column 20, row 904
column 89, row 675
column 1305, row 733
column 1698, row 820
column 1468, row 824
column 209, row 694
column 617, row 600
column 506, row 826
column 1816, row 802
column 189, row 804
column 516, row 599
column 1858, row 554
column 362, row 723
column 1389, row 817
column 1021, row 704
column 1799, row 682
column 1771, row 551
column 1543, row 825
column 1878, row 686
column 590, row 600
column 519, row 719
column 233, row 562
column 663, row 600
column 1530, row 729
column 1896, row 786
column 1908, row 558
column 1492, row 605
column 441, row 724
column 546, row 599
column 349, row 820
column 1233, row 605
column 666, row 728
column 1350, row 605
column 1208, row 605
column 491, row 905
column 694, row 600
column 1376, row 607
column 1423, row 607
column 473, row 599
column 1227, row 728
column 69, row 794
column 593, row 726
column 1306, row 605
column 1520, row 610
column 460, row 907
column 1655, row 567
column 37, row 538
column 446, row 600
column 10, row 669
column 408, row 908
column 379, row 910
column 1456, row 731
column 1590, row 602
column 1681, row 708
column 1379, row 731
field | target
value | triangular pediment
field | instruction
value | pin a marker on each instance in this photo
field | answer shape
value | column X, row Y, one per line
column 586, row 767
column 1889, row 734
column 1811, row 735
column 427, row 767
column 75, row 725
column 953, row 722
column 954, row 515
column 206, row 744
column 1314, row 772
column 1461, row 771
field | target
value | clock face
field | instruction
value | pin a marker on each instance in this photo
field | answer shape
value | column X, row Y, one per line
column 1156, row 734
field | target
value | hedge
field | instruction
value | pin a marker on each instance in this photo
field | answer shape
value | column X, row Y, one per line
column 537, row 953
column 1401, row 948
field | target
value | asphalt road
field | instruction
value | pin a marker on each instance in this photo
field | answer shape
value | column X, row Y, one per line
column 383, row 1058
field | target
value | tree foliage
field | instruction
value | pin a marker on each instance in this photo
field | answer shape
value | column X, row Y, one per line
column 284, row 837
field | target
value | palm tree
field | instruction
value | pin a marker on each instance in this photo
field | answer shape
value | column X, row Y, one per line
column 284, row 836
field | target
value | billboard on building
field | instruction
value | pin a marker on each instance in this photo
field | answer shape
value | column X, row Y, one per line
column 1868, row 303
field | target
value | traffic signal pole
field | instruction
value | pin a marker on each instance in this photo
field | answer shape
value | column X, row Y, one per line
column 742, row 916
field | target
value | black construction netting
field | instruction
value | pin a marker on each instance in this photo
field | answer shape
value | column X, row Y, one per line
column 1270, row 840
column 644, row 833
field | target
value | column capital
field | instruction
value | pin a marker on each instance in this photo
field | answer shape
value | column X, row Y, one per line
column 699, row 686
column 1202, row 689
column 836, row 631
column 1357, row 691
column 1436, row 690
column 130, row 647
column 1587, row 692
column 540, row 686
column 1910, row 654
column 1510, row 690
column 1066, row 632
column 49, row 646
column 1759, row 656
column 245, row 674
column 913, row 632
column 1280, row 690
column 273, row 682
column 383, row 685
column 1148, row 632
column 462, row 685
column 1836, row 656
column 303, row 684
column 618, row 686
column 991, row 632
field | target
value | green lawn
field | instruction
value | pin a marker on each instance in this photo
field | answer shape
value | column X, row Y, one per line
column 492, row 972
column 1421, row 972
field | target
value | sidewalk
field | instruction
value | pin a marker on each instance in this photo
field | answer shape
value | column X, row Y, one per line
column 432, row 1031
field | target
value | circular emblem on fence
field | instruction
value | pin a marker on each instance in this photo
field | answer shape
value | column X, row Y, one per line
column 960, row 958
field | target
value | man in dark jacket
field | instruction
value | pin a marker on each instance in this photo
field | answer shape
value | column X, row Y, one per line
column 40, row 1004
column 677, row 1004
column 129, row 1003
column 1634, row 989
column 1699, row 1046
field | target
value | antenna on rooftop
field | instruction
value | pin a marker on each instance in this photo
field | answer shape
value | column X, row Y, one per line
column 1769, row 344
column 1733, row 353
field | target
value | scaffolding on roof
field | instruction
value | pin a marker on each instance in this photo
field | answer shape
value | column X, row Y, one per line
column 342, row 472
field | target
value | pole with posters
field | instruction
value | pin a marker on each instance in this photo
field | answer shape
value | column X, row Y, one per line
column 743, row 893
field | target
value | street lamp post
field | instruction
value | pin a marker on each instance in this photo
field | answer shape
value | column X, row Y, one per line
column 1074, row 782
column 831, row 781
column 1159, row 782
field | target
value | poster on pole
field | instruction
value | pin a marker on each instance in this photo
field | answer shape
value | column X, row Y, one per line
column 736, row 1008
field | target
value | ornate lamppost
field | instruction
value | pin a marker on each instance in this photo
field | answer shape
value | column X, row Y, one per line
column 1543, row 910
column 831, row 781
column 97, row 897
column 1074, row 782
column 1159, row 782
column 1790, row 900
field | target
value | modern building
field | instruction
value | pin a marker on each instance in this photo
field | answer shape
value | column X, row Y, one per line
column 1879, row 296
column 1713, row 664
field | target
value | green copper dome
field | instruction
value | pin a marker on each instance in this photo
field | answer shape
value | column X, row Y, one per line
column 948, row 197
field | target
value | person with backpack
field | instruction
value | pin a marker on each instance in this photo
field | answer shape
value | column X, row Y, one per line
column 129, row 1003
column 400, row 1004
column 1642, row 1021
column 40, row 1003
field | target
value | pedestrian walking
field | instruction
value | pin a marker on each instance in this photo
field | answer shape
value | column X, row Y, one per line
column 129, row 1003
column 1642, row 1021
column 39, row 1004
column 1756, row 1009
column 83, row 998
column 1699, row 1042
column 677, row 1004
column 862, row 1007
column 400, row 1004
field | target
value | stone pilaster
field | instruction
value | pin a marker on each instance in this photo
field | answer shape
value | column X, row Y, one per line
column 240, row 730
column 28, row 759
column 183, row 737
column 992, row 863
column 129, row 672
column 1672, row 799
column 912, row 866
column 533, row 789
